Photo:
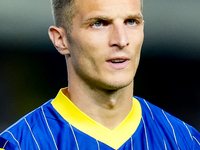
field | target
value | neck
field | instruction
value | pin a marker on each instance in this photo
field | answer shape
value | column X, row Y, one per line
column 109, row 108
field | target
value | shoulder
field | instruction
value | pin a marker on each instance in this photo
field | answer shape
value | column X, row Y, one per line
column 167, row 126
column 24, row 128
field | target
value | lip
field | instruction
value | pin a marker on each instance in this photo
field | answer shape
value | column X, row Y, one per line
column 119, row 65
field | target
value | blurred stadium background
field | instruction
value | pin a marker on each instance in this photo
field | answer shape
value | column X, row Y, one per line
column 32, row 71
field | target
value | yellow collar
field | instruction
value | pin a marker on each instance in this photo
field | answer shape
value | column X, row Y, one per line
column 113, row 138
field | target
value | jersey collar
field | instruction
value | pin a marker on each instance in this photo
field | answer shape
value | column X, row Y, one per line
column 114, row 138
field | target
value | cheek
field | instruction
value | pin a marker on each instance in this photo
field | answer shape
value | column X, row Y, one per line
column 89, row 46
column 84, row 55
column 94, row 36
column 137, row 42
column 136, row 45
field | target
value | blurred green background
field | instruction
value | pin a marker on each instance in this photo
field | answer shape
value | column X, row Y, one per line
column 32, row 71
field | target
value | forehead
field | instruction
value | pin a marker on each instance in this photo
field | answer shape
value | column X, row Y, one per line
column 107, row 7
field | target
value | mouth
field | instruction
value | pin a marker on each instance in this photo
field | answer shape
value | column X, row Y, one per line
column 118, row 63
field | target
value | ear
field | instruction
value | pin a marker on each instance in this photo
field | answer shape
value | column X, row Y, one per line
column 59, row 39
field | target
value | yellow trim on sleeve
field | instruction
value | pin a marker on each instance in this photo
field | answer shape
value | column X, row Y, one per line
column 2, row 149
column 113, row 138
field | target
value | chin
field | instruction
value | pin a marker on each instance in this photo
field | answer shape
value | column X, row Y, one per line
column 120, row 82
column 111, row 83
column 117, row 86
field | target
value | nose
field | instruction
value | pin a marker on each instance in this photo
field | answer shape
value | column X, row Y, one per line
column 118, row 37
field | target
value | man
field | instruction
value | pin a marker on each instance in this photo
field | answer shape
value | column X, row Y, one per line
column 101, row 41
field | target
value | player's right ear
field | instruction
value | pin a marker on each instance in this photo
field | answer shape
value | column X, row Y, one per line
column 59, row 39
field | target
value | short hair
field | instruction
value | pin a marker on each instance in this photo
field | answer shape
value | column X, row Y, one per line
column 64, row 11
column 141, row 3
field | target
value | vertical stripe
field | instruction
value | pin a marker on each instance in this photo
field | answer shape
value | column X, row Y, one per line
column 49, row 128
column 165, row 145
column 74, row 136
column 145, row 134
column 131, row 143
column 172, row 129
column 149, row 109
column 32, row 133
column 5, row 144
column 98, row 145
column 196, row 140
column 14, row 139
column 188, row 130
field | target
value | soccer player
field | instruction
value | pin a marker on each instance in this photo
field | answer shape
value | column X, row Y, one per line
column 101, row 41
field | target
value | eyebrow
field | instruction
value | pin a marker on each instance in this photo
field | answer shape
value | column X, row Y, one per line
column 107, row 18
column 137, row 16
column 96, row 18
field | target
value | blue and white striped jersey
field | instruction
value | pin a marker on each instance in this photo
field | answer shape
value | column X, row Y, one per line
column 60, row 125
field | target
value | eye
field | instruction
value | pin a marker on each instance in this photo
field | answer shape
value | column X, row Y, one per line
column 99, row 24
column 131, row 22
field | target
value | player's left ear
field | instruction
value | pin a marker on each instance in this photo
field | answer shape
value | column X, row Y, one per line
column 59, row 39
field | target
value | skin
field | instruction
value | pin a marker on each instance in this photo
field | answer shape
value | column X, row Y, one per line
column 104, row 32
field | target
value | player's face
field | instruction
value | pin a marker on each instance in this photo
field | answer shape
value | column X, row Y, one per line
column 105, row 42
